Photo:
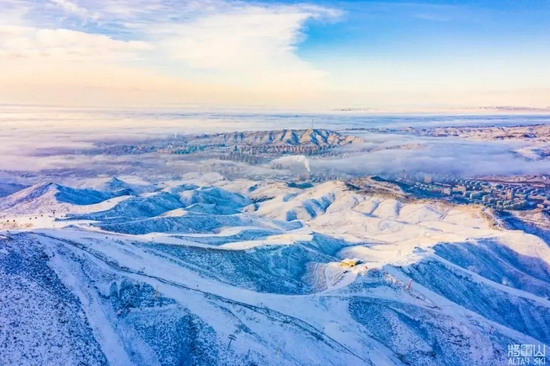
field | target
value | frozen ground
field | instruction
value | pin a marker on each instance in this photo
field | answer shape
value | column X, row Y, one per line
column 205, row 271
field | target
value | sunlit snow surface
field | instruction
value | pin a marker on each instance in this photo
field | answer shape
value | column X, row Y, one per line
column 205, row 271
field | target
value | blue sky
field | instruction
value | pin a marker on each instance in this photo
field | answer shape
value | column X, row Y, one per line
column 311, row 54
column 424, row 27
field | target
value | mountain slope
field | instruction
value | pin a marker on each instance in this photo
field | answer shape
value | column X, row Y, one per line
column 49, row 197
column 152, row 281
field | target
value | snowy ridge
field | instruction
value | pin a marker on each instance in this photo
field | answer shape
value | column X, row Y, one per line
column 317, row 137
column 49, row 197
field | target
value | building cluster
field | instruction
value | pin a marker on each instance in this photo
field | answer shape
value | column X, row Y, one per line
column 266, row 149
column 283, row 149
column 319, row 177
column 184, row 149
column 127, row 149
column 240, row 157
column 501, row 196
column 325, row 177
column 245, row 153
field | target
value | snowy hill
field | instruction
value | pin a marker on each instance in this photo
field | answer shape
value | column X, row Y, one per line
column 317, row 137
column 198, row 274
column 50, row 197
column 117, row 185
column 130, row 184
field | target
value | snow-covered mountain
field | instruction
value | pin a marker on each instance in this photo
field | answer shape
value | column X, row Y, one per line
column 250, row 273
column 532, row 133
column 317, row 137
column 49, row 197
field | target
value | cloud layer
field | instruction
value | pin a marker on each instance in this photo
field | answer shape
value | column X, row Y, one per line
column 171, row 49
column 59, row 45
column 44, row 138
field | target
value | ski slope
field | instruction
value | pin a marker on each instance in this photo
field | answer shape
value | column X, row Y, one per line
column 204, row 271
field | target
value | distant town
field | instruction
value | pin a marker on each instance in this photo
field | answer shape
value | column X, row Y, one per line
column 494, row 194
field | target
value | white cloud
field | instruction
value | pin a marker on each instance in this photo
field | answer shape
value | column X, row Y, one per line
column 139, row 11
column 73, row 8
column 227, row 51
column 249, row 37
column 249, row 45
column 63, row 45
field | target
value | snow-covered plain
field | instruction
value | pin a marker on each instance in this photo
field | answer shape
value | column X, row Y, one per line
column 206, row 271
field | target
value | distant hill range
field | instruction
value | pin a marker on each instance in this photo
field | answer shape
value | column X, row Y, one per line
column 516, row 109
column 287, row 137
column 287, row 141
column 447, row 110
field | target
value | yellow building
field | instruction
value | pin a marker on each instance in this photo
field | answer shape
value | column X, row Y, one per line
column 348, row 263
